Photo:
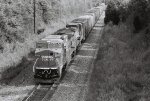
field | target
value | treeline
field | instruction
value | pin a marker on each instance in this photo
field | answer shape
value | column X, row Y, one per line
column 136, row 11
column 16, row 17
column 17, row 37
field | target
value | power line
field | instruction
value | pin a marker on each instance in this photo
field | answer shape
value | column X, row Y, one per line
column 34, row 14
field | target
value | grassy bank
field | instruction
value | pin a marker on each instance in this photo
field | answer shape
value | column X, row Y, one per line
column 121, row 70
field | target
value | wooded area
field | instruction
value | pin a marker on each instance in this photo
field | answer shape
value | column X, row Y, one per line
column 17, row 35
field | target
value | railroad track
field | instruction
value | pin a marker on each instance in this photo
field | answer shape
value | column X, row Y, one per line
column 44, row 92
column 41, row 92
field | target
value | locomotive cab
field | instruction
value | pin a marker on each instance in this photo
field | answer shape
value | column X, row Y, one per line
column 79, row 29
column 50, row 60
column 83, row 23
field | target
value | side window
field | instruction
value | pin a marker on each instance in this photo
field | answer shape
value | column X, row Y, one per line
column 80, row 27
column 71, row 44
column 51, row 53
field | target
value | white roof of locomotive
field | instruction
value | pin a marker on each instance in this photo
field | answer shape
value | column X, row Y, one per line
column 72, row 23
column 86, row 16
column 90, row 14
column 53, row 38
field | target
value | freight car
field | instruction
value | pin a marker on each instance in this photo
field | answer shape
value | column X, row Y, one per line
column 55, row 51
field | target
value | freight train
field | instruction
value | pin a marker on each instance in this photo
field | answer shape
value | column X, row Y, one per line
column 55, row 51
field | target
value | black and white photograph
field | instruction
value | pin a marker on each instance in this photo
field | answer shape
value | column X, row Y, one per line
column 74, row 50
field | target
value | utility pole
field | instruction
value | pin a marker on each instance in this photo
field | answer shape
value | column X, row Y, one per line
column 34, row 14
column 59, row 12
column 84, row 5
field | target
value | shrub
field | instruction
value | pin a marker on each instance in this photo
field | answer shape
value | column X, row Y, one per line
column 139, row 9
column 16, row 23
column 135, row 10
column 112, row 14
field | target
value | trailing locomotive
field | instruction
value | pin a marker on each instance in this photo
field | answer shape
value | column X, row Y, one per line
column 55, row 51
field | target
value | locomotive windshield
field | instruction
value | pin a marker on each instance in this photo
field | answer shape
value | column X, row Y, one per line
column 45, row 62
column 41, row 45
column 55, row 45
column 72, row 26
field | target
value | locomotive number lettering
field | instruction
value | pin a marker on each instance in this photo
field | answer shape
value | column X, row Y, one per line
column 47, row 58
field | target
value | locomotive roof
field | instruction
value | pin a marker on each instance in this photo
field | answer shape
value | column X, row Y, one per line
column 53, row 37
column 65, row 31
column 72, row 24
column 51, row 40
column 95, row 9
column 79, row 20
column 91, row 14
column 86, row 16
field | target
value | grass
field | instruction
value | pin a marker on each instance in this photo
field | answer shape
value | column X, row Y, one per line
column 121, row 70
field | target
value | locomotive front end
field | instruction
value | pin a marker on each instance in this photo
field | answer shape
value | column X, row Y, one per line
column 47, row 66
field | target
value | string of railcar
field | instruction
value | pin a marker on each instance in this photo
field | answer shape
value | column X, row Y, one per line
column 55, row 51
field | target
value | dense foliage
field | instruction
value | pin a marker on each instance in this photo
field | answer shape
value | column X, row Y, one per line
column 16, row 16
column 17, row 37
column 135, row 10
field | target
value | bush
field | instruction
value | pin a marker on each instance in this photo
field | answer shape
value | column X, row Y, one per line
column 137, row 23
column 111, row 14
column 116, row 11
column 139, row 9
column 121, row 10
column 16, row 24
